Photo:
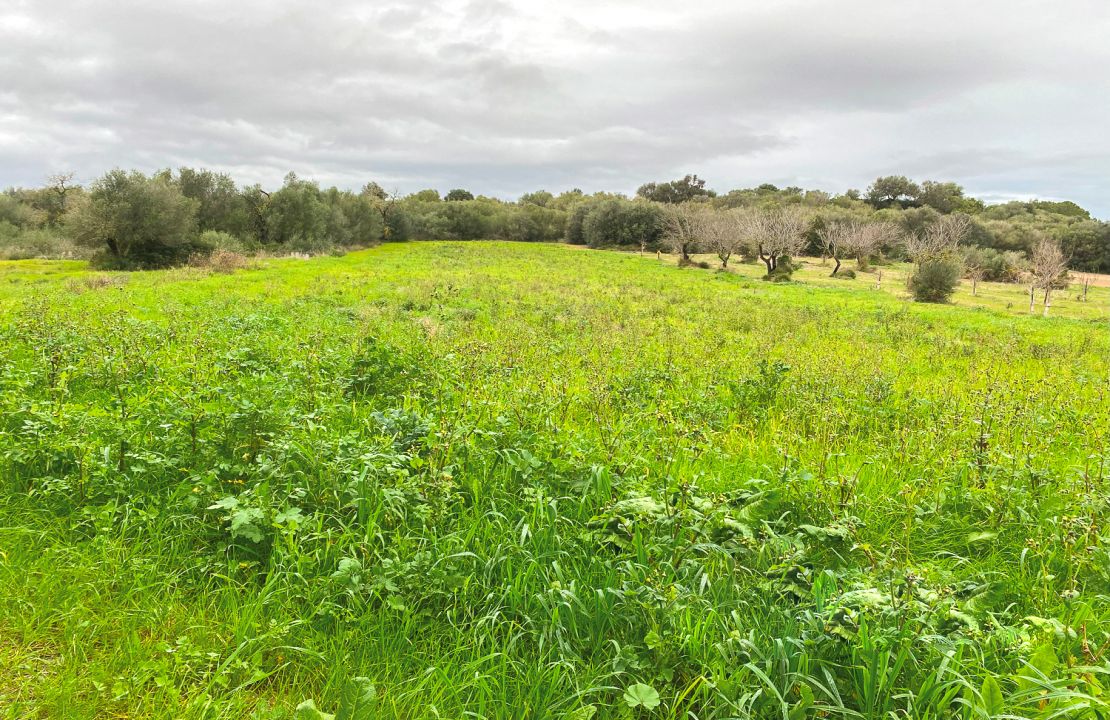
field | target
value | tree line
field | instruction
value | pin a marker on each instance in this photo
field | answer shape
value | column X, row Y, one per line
column 128, row 219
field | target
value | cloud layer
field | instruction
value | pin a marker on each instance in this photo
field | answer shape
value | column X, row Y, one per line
column 1009, row 98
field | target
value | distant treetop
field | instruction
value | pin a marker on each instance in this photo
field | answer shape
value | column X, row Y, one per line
column 688, row 188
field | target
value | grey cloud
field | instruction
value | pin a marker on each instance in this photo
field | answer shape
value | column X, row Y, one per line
column 505, row 97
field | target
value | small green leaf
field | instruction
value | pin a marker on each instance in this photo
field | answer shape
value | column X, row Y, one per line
column 246, row 524
column 640, row 695
column 585, row 712
column 798, row 712
column 308, row 711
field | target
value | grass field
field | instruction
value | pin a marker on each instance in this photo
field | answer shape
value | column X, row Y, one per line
column 532, row 481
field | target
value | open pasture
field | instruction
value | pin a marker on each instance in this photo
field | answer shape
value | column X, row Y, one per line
column 505, row 480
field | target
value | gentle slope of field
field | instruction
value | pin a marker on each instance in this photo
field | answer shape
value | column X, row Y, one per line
column 508, row 480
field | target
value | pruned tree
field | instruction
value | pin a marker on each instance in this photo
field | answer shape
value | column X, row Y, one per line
column 1050, row 270
column 777, row 233
column 723, row 234
column 835, row 238
column 938, row 239
column 871, row 240
column 855, row 239
column 974, row 272
column 684, row 229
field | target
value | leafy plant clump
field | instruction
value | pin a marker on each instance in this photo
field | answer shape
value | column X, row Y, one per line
column 935, row 280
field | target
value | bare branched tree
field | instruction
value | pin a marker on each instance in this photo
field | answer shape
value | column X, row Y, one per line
column 834, row 238
column 974, row 272
column 938, row 239
column 872, row 239
column 724, row 235
column 59, row 185
column 855, row 239
column 384, row 202
column 777, row 233
column 1050, row 270
column 684, row 228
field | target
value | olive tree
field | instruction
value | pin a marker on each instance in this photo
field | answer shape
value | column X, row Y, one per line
column 136, row 221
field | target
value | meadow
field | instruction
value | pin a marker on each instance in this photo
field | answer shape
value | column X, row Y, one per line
column 508, row 480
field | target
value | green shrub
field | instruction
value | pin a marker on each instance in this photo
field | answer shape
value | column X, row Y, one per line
column 213, row 240
column 784, row 270
column 623, row 222
column 934, row 281
column 18, row 244
column 995, row 265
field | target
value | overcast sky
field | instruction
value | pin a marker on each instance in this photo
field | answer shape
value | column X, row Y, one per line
column 1011, row 98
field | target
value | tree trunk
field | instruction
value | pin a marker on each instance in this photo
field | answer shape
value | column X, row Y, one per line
column 1047, row 300
column 1032, row 297
column 879, row 281
column 837, row 268
column 1086, row 282
column 724, row 261
column 974, row 287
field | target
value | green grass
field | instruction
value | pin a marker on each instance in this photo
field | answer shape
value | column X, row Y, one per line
column 506, row 480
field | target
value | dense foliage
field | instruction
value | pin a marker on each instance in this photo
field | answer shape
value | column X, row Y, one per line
column 502, row 480
column 301, row 217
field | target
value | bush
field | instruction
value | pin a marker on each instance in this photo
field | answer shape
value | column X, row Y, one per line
column 212, row 240
column 846, row 274
column 18, row 244
column 220, row 260
column 623, row 222
column 995, row 265
column 934, row 281
column 784, row 270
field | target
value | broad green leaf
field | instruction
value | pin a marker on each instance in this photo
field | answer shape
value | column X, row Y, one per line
column 1044, row 660
column 359, row 698
column 227, row 503
column 991, row 696
column 246, row 523
column 641, row 695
